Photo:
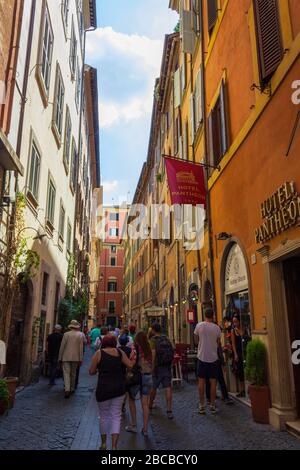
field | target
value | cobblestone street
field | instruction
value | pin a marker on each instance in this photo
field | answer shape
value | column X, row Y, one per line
column 43, row 420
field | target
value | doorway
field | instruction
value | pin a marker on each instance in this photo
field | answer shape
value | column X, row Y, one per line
column 291, row 270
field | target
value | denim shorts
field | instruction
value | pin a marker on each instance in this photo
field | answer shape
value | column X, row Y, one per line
column 144, row 389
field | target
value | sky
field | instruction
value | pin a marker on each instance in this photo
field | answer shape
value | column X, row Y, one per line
column 126, row 49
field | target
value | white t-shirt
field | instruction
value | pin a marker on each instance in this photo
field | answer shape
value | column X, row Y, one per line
column 208, row 334
column 2, row 353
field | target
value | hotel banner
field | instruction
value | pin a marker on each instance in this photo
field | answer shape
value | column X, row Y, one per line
column 186, row 182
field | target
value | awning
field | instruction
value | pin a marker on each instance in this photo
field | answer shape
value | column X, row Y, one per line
column 155, row 312
column 8, row 157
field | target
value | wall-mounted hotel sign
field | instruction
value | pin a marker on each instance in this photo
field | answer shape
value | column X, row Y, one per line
column 279, row 212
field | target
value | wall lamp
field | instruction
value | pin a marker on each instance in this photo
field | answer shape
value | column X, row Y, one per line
column 224, row 236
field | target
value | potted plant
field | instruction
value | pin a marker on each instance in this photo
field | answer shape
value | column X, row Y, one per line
column 256, row 374
column 4, row 397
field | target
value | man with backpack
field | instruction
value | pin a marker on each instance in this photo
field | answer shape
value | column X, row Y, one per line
column 163, row 355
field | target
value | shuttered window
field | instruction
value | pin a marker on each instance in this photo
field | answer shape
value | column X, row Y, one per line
column 269, row 40
column 192, row 118
column 212, row 11
column 198, row 100
column 218, row 129
column 196, row 16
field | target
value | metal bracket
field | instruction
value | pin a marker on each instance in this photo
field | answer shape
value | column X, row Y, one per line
column 267, row 90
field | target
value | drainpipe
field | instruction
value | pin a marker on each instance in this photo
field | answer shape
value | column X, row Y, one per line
column 206, row 159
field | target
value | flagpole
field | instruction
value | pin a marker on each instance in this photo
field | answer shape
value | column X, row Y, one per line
column 205, row 165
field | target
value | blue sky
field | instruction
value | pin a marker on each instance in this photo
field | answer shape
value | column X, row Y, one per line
column 126, row 49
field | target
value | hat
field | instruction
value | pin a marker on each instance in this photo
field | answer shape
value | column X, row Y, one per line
column 74, row 325
column 58, row 327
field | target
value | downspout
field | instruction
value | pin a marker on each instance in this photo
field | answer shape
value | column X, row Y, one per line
column 207, row 168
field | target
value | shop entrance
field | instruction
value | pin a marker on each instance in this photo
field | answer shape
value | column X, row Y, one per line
column 291, row 269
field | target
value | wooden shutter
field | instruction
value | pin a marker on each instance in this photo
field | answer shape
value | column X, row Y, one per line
column 192, row 118
column 269, row 40
column 198, row 104
column 196, row 17
column 188, row 35
column 224, row 117
column 211, row 159
column 177, row 93
column 212, row 11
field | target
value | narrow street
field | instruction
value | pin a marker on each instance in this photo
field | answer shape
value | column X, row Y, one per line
column 43, row 420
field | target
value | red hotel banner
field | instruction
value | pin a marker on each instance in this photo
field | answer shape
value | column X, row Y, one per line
column 186, row 182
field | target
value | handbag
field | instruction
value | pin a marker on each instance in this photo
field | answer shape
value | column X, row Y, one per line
column 134, row 375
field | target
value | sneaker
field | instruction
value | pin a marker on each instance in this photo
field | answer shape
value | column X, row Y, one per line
column 202, row 410
column 170, row 415
column 213, row 409
column 131, row 428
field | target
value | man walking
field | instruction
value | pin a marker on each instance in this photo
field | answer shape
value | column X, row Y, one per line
column 71, row 355
column 163, row 355
column 53, row 345
column 207, row 335
column 94, row 334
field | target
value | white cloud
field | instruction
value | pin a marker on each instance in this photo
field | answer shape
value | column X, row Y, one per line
column 144, row 54
column 110, row 186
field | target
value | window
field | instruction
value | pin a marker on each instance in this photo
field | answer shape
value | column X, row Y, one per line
column 69, row 238
column 269, row 40
column 113, row 249
column 46, row 51
column 78, row 85
column 114, row 232
column 73, row 52
column 114, row 216
column 112, row 286
column 65, row 12
column 218, row 129
column 113, row 261
column 111, row 306
column 45, row 288
column 51, row 202
column 59, row 98
column 34, row 174
column 212, row 11
column 62, row 216
column 67, row 146
column 73, row 166
column 80, row 18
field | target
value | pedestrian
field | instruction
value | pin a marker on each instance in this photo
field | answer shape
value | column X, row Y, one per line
column 53, row 345
column 94, row 334
column 132, row 331
column 71, row 355
column 163, row 355
column 142, row 357
column 207, row 335
column 2, row 358
column 220, row 380
column 79, row 364
column 239, row 339
column 123, row 345
column 110, row 392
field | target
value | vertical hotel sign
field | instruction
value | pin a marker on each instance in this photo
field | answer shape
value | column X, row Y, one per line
column 186, row 182
column 279, row 212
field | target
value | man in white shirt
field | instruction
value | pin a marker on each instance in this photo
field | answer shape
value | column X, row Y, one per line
column 2, row 357
column 207, row 335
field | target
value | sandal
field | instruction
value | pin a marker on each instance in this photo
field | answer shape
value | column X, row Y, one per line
column 131, row 428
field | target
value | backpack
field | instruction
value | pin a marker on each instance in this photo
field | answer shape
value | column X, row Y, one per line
column 164, row 351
